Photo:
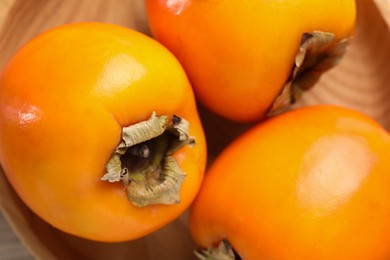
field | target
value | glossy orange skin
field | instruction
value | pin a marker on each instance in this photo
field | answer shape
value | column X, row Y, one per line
column 63, row 100
column 239, row 54
column 309, row 184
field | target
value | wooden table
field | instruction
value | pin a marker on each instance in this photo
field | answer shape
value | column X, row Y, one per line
column 10, row 246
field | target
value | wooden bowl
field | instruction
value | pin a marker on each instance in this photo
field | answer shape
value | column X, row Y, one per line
column 361, row 81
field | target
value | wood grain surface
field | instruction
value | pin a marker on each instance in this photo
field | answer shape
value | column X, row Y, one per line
column 361, row 81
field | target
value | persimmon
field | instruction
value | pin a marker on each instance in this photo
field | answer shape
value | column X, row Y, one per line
column 312, row 183
column 247, row 59
column 99, row 131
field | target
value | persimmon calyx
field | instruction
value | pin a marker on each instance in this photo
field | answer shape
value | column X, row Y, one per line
column 223, row 251
column 318, row 52
column 144, row 160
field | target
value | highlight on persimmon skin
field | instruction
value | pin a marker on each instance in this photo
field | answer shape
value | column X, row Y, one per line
column 66, row 98
column 240, row 54
column 312, row 183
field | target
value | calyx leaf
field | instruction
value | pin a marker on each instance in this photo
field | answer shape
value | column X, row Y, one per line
column 319, row 52
column 144, row 160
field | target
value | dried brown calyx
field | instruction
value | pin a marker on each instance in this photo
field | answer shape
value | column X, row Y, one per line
column 319, row 52
column 222, row 251
column 144, row 161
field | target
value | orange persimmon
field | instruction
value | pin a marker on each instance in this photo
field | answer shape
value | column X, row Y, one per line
column 240, row 54
column 312, row 183
column 86, row 106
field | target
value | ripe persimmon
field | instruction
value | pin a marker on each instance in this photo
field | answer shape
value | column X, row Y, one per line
column 245, row 59
column 312, row 183
column 86, row 106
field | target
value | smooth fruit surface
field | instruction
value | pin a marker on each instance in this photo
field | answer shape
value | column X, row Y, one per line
column 239, row 54
column 312, row 183
column 64, row 97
